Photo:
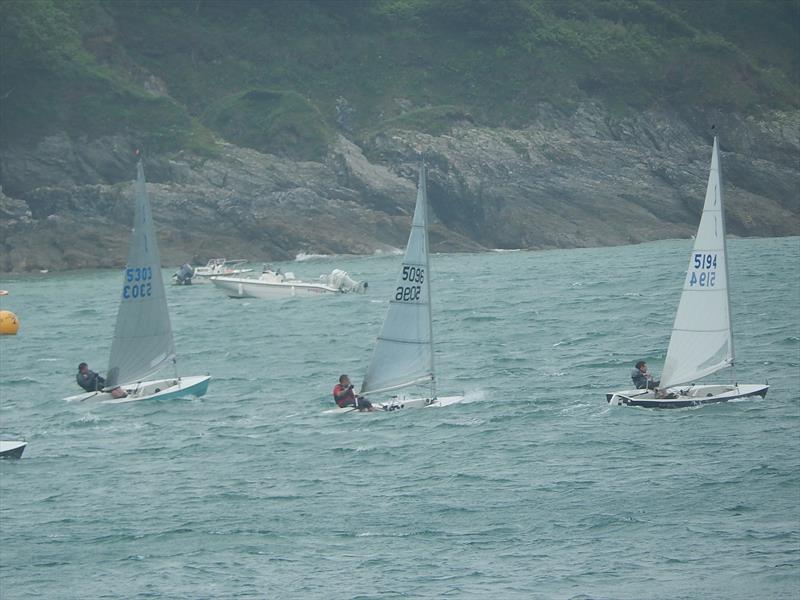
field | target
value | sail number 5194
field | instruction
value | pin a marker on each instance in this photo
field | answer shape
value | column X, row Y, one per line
column 705, row 277
column 704, row 261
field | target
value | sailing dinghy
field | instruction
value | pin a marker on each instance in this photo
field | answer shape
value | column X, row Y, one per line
column 143, row 343
column 12, row 449
column 403, row 354
column 702, row 340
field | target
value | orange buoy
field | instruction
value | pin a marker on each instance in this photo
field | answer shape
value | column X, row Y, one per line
column 9, row 324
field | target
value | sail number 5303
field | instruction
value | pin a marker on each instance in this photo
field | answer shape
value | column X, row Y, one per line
column 137, row 282
column 702, row 274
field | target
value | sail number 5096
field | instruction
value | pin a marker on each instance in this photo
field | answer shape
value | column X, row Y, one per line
column 414, row 274
column 407, row 294
column 410, row 293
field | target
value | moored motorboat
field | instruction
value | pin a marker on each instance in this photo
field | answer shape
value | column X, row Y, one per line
column 274, row 284
column 221, row 267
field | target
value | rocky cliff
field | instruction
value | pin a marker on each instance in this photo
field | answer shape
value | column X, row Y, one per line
column 576, row 178
column 273, row 128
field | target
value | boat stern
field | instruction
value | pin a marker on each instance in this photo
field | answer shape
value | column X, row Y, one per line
column 625, row 396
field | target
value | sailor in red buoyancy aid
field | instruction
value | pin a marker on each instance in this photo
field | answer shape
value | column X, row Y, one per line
column 344, row 396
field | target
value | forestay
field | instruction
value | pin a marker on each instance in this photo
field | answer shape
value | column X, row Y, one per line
column 143, row 341
column 403, row 354
column 702, row 341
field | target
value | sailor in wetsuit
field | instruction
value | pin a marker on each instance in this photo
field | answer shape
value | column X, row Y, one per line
column 641, row 378
column 343, row 395
column 92, row 382
column 89, row 380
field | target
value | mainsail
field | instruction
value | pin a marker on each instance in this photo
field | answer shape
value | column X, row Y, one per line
column 702, row 340
column 403, row 355
column 143, row 341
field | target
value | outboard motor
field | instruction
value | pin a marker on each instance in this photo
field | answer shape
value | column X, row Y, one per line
column 341, row 280
column 184, row 275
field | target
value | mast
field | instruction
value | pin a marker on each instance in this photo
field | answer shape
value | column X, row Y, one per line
column 721, row 197
column 423, row 183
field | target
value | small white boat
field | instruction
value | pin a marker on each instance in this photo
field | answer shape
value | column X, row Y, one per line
column 399, row 402
column 403, row 354
column 221, row 266
column 157, row 389
column 274, row 284
column 12, row 449
column 143, row 342
column 702, row 339
column 688, row 395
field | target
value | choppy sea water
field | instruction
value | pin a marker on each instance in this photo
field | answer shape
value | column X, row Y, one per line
column 532, row 488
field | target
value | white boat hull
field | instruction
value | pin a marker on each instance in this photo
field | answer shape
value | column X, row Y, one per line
column 242, row 287
column 221, row 266
column 12, row 449
column 205, row 277
column 685, row 396
column 400, row 403
column 160, row 389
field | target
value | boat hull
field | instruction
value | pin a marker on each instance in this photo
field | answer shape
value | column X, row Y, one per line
column 686, row 396
column 400, row 403
column 160, row 389
column 12, row 449
column 242, row 287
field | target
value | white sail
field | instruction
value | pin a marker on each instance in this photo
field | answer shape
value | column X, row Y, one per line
column 702, row 340
column 143, row 341
column 403, row 355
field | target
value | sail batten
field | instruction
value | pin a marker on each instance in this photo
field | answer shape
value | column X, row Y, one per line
column 702, row 340
column 401, row 341
column 403, row 354
column 143, row 342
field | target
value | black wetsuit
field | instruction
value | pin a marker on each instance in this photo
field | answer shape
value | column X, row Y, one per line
column 641, row 382
column 90, row 381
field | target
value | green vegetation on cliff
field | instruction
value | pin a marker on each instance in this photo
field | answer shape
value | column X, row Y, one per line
column 282, row 123
column 50, row 81
column 175, row 71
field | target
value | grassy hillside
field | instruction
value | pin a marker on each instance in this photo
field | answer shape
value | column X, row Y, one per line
column 50, row 81
column 281, row 75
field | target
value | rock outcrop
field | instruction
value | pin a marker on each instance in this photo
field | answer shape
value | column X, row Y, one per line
column 571, row 179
